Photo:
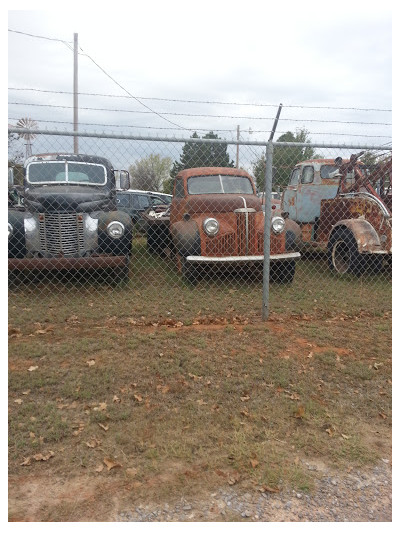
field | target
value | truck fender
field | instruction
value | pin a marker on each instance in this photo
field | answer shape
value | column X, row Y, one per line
column 293, row 237
column 186, row 237
column 364, row 233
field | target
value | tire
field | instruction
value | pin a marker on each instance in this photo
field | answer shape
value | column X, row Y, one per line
column 344, row 257
column 119, row 274
column 190, row 272
column 283, row 273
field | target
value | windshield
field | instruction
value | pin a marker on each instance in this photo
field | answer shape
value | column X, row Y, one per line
column 45, row 172
column 219, row 185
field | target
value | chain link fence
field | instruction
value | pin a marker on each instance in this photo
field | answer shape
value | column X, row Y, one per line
column 168, row 230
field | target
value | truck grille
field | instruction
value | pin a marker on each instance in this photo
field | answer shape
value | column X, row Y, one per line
column 61, row 234
column 246, row 233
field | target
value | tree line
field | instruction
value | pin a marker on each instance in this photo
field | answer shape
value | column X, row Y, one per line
column 158, row 173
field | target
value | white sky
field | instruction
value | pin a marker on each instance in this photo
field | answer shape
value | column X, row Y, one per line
column 298, row 53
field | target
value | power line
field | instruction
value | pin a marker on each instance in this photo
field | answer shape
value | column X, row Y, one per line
column 177, row 100
column 104, row 72
column 40, row 36
column 130, row 95
column 199, row 115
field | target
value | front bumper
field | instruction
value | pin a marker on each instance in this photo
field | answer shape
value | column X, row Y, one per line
column 91, row 263
column 292, row 256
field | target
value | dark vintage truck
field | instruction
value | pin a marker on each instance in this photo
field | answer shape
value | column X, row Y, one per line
column 216, row 220
column 68, row 220
column 344, row 208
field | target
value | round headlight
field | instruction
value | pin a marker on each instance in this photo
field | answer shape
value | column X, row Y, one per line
column 115, row 229
column 211, row 226
column 10, row 230
column 277, row 224
column 30, row 224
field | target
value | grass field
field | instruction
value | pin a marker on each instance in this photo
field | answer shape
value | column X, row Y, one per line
column 154, row 390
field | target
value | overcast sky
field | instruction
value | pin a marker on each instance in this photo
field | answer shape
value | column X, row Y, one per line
column 305, row 55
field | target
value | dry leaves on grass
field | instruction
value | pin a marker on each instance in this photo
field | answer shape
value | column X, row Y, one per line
column 110, row 463
column 38, row 457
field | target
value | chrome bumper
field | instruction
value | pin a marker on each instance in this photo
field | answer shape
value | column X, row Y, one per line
column 292, row 256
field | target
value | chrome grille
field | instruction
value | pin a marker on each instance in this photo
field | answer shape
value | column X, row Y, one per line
column 246, row 233
column 61, row 234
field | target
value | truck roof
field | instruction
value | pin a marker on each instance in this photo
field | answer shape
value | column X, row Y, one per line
column 81, row 158
column 212, row 171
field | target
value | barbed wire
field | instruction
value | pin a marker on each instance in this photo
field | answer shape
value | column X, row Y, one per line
column 233, row 131
column 180, row 100
column 203, row 115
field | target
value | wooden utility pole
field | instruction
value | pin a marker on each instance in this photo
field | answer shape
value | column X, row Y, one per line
column 237, row 147
column 76, row 148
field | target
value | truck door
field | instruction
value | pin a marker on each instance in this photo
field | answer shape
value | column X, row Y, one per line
column 307, row 203
column 289, row 197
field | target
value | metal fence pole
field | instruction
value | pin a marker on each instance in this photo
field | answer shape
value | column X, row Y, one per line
column 267, row 228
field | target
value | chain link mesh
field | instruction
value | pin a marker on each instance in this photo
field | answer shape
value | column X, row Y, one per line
column 79, row 247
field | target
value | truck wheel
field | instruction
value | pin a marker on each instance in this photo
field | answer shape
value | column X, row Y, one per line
column 190, row 272
column 344, row 257
column 119, row 274
column 152, row 244
column 283, row 273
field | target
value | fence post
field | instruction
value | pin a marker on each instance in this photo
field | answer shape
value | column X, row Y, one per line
column 267, row 228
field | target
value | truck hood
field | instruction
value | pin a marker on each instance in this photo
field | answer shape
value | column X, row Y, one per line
column 223, row 203
column 67, row 198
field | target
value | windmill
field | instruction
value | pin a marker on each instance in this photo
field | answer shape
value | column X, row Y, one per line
column 27, row 124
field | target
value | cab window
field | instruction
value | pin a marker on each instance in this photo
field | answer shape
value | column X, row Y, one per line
column 294, row 178
column 307, row 175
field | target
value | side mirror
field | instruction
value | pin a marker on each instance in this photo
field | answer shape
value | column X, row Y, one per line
column 124, row 180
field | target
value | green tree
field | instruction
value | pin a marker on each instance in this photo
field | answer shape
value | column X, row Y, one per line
column 196, row 154
column 150, row 173
column 285, row 158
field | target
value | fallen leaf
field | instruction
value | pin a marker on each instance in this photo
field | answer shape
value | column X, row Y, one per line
column 41, row 457
column 138, row 398
column 91, row 362
column 234, row 479
column 26, row 462
column 32, row 368
column 201, row 402
column 100, row 468
column 300, row 412
column 100, row 407
column 244, row 398
column 26, row 392
column 254, row 463
column 93, row 443
column 131, row 472
column 346, row 437
column 18, row 401
column 103, row 427
column 382, row 415
column 110, row 464
column 32, row 435
column 116, row 399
